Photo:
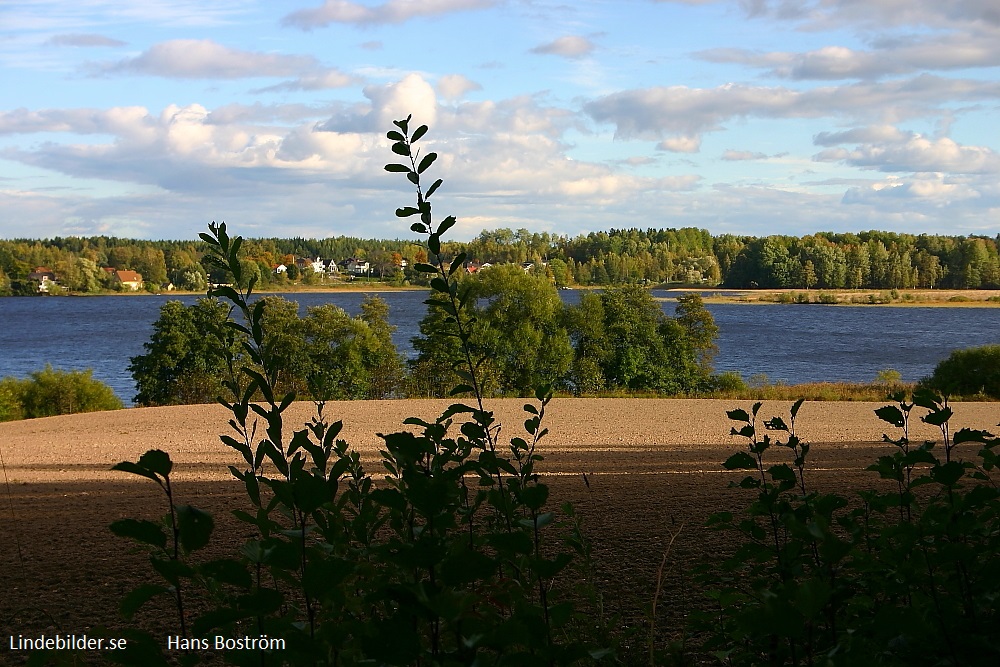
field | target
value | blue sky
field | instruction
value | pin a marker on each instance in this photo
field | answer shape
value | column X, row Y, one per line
column 151, row 119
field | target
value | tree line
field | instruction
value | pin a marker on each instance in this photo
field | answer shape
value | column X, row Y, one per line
column 867, row 260
column 616, row 340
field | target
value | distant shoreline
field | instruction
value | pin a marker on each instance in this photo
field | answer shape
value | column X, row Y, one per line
column 951, row 298
column 948, row 298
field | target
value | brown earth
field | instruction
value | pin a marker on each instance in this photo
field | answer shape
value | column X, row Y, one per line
column 653, row 467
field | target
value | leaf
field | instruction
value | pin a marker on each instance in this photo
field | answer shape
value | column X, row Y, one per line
column 397, row 168
column 970, row 435
column 157, row 461
column 948, row 474
column 446, row 224
column 136, row 469
column 426, row 162
column 401, row 148
column 795, row 407
column 938, row 417
column 740, row 461
column 141, row 530
column 419, row 132
column 425, row 268
column 431, row 190
column 195, row 527
column 776, row 424
column 892, row 415
column 738, row 415
column 138, row 597
column 534, row 497
column 395, row 136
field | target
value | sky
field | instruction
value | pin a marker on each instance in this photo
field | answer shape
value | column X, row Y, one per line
column 151, row 119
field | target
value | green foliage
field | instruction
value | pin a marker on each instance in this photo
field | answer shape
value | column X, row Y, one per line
column 901, row 575
column 971, row 372
column 623, row 340
column 326, row 355
column 870, row 260
column 51, row 392
column 515, row 328
column 182, row 364
column 444, row 560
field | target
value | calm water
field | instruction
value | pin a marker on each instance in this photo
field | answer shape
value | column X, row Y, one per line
column 792, row 343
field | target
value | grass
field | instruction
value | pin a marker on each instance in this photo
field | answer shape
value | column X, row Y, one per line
column 889, row 297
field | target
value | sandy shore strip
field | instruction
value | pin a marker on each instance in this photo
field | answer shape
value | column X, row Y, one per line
column 84, row 447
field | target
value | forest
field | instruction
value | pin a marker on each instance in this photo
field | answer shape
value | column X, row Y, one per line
column 867, row 260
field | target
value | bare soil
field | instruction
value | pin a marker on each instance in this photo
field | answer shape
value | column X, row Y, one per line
column 653, row 468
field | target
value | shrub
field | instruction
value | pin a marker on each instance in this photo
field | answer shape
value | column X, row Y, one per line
column 51, row 392
column 889, row 377
column 899, row 576
column 971, row 372
column 728, row 382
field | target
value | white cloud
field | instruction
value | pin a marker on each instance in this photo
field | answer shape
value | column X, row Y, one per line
column 879, row 14
column 320, row 80
column 205, row 59
column 455, row 86
column 393, row 11
column 918, row 194
column 963, row 50
column 916, row 153
column 860, row 135
column 741, row 156
column 651, row 113
column 570, row 46
column 84, row 40
column 411, row 95
column 680, row 144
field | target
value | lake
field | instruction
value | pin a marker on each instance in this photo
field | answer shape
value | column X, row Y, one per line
column 792, row 343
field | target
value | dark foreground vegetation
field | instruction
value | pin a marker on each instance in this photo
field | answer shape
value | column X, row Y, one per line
column 452, row 556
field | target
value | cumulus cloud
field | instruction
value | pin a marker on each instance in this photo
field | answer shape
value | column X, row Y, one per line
column 876, row 13
column 393, row 11
column 940, row 52
column 205, row 59
column 651, row 113
column 930, row 190
column 84, row 40
column 916, row 153
column 570, row 46
column 455, row 86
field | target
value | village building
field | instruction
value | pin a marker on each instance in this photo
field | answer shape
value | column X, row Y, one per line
column 129, row 280
column 45, row 277
column 355, row 266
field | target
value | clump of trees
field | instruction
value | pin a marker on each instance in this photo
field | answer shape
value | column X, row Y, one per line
column 971, row 372
column 51, row 392
column 325, row 355
column 619, row 339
